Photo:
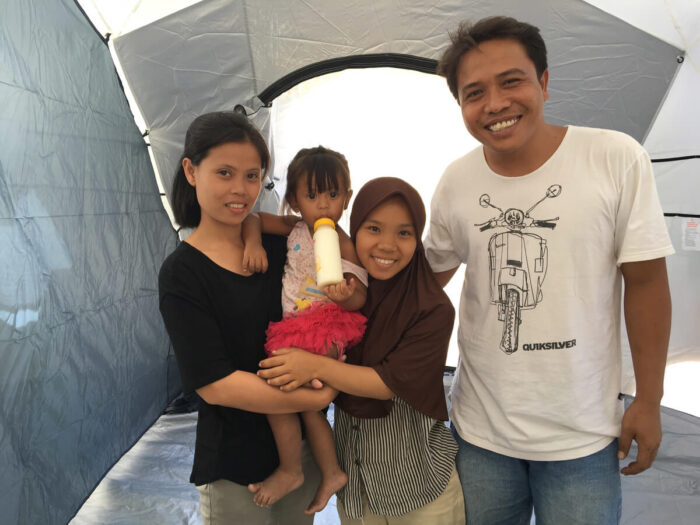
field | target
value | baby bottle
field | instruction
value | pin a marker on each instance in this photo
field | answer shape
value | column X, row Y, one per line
column 327, row 253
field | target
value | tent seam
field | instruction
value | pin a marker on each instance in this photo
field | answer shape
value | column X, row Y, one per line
column 250, row 47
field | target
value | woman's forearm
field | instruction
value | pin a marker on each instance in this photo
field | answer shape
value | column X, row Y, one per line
column 248, row 392
column 353, row 379
column 290, row 368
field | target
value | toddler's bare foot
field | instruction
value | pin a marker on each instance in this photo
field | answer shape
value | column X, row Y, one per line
column 329, row 486
column 276, row 486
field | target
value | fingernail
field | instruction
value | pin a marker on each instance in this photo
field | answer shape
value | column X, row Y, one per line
column 620, row 455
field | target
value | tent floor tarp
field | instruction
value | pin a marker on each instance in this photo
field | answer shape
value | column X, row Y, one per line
column 149, row 483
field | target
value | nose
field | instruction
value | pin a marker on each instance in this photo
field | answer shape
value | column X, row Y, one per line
column 236, row 184
column 322, row 201
column 496, row 101
column 386, row 243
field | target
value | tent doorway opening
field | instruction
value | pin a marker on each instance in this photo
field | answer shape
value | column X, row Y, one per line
column 386, row 121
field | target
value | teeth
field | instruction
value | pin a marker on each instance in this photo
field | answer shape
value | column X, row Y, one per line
column 383, row 261
column 505, row 124
column 236, row 206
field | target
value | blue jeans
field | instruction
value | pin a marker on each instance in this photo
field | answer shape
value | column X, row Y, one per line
column 502, row 490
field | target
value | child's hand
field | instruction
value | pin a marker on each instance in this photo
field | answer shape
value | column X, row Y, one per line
column 341, row 291
column 254, row 258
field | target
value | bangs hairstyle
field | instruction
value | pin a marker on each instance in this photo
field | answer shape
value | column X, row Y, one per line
column 206, row 132
column 468, row 36
column 327, row 170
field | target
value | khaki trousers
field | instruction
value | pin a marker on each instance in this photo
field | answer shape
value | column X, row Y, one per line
column 447, row 509
column 226, row 503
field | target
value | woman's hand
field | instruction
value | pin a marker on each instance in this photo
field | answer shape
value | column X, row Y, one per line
column 289, row 368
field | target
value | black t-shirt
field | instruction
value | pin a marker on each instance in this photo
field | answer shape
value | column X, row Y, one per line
column 216, row 320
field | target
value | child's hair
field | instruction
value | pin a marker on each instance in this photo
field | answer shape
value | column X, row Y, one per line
column 323, row 166
column 205, row 132
column 468, row 36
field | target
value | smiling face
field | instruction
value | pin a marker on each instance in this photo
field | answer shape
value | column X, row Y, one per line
column 502, row 98
column 313, row 205
column 227, row 182
column 386, row 239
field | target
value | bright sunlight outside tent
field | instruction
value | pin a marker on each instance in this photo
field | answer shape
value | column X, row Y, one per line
column 387, row 122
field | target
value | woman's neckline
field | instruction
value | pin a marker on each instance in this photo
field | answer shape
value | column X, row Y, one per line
column 213, row 262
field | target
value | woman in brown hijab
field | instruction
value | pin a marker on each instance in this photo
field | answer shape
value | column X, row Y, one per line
column 390, row 436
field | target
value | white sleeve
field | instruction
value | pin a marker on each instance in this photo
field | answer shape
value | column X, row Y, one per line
column 439, row 243
column 357, row 271
column 640, row 229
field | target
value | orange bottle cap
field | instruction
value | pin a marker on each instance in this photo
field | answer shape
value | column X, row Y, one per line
column 321, row 222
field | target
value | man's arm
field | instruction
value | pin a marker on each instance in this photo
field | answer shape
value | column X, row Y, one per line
column 647, row 306
column 444, row 277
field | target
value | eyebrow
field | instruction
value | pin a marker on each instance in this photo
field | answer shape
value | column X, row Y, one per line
column 500, row 75
column 234, row 168
column 406, row 225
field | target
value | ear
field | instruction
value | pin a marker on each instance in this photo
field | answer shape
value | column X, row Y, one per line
column 188, row 167
column 544, row 80
column 293, row 204
column 348, row 195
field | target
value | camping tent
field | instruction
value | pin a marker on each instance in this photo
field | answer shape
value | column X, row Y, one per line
column 85, row 364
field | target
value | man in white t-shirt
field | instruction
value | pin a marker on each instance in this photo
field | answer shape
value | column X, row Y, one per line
column 550, row 220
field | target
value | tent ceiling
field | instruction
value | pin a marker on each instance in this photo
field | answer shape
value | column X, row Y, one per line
column 117, row 18
column 217, row 53
column 416, row 27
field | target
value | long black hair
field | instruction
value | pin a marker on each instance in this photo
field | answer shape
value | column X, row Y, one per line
column 208, row 131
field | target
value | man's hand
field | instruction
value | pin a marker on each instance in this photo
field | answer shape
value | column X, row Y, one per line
column 641, row 422
column 341, row 291
column 254, row 258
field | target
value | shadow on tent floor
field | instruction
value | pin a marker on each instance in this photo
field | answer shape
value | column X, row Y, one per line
column 149, row 483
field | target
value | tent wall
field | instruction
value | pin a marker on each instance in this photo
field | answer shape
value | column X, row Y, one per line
column 84, row 366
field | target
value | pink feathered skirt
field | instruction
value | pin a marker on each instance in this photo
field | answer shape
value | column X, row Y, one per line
column 317, row 328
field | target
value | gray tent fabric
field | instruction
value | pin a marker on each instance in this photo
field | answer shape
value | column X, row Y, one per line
column 604, row 72
column 668, row 492
column 84, row 358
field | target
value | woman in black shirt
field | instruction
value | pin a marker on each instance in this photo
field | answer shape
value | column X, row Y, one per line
column 216, row 313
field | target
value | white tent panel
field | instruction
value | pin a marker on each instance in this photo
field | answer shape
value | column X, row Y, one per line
column 674, row 21
column 675, row 131
column 678, row 184
column 121, row 17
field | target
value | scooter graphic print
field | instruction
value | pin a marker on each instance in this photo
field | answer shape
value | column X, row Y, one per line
column 517, row 264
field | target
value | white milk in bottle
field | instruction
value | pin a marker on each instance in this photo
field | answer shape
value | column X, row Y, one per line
column 327, row 253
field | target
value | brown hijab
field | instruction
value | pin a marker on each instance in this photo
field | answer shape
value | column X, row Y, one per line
column 409, row 319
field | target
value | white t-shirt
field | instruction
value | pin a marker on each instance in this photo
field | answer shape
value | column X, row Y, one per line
column 541, row 380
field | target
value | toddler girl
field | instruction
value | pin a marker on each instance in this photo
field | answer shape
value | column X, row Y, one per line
column 321, row 321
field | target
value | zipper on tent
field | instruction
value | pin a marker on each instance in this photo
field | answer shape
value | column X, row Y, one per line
column 673, row 159
column 411, row 62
